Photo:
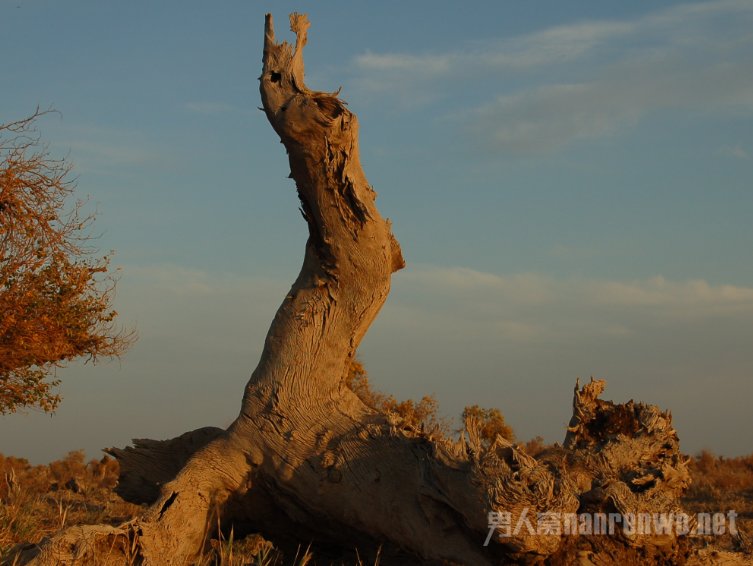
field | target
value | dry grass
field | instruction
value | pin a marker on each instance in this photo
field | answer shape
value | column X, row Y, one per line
column 719, row 485
column 36, row 501
column 39, row 500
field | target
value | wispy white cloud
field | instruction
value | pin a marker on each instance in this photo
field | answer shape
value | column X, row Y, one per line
column 90, row 152
column 553, row 115
column 507, row 339
column 427, row 64
column 160, row 281
column 736, row 151
column 96, row 149
column 199, row 315
column 204, row 311
column 534, row 307
column 554, row 45
column 694, row 56
column 694, row 298
column 469, row 336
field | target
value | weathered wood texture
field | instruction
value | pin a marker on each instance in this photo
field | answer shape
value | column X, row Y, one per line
column 306, row 453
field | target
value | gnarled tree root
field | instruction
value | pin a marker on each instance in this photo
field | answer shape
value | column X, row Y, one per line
column 384, row 484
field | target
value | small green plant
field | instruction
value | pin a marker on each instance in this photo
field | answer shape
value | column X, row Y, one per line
column 265, row 557
column 305, row 557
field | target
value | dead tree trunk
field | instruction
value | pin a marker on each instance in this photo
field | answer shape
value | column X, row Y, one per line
column 306, row 453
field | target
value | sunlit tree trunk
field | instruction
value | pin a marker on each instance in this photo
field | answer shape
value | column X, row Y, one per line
column 306, row 456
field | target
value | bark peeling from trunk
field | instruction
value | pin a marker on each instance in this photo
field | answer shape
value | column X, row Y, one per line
column 306, row 455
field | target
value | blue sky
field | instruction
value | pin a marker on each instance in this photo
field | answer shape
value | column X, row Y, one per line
column 572, row 185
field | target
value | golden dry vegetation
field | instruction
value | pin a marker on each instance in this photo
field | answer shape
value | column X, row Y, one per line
column 36, row 501
column 56, row 290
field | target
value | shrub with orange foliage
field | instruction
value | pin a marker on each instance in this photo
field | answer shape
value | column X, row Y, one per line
column 421, row 414
column 490, row 423
column 55, row 290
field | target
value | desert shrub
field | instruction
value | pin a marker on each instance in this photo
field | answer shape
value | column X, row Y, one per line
column 490, row 423
column 535, row 446
column 421, row 415
column 36, row 501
